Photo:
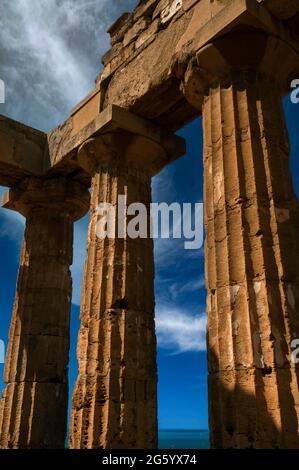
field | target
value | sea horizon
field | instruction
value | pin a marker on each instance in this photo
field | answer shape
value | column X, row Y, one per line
column 184, row 438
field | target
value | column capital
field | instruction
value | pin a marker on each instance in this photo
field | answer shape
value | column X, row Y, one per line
column 123, row 139
column 58, row 193
column 122, row 150
column 251, row 52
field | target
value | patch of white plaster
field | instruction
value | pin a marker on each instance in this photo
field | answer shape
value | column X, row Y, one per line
column 171, row 10
column 234, row 290
column 218, row 181
column 257, row 285
column 235, row 328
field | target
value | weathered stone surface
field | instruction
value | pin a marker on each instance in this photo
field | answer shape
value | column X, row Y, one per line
column 115, row 397
column 86, row 111
column 252, row 220
column 171, row 10
column 119, row 28
column 22, row 151
column 145, row 8
column 112, row 119
column 147, row 35
column 136, row 83
column 34, row 403
column 136, row 30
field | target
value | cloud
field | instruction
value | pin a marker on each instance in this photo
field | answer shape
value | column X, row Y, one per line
column 163, row 186
column 50, row 54
column 172, row 252
column 180, row 332
column 179, row 289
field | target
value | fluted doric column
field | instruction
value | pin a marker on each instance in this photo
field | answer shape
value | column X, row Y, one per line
column 115, row 397
column 34, row 403
column 252, row 222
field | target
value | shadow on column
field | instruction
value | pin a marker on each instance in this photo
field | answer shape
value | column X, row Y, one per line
column 240, row 420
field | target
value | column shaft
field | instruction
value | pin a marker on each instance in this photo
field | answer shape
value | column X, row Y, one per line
column 252, row 223
column 34, row 403
column 115, row 398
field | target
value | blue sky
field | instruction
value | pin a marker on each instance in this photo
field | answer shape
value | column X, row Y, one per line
column 51, row 57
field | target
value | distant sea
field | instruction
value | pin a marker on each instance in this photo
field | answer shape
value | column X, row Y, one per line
column 183, row 439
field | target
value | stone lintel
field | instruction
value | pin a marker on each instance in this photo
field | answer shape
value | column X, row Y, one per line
column 131, row 86
column 115, row 119
column 22, row 151
column 237, row 14
column 86, row 110
column 141, row 82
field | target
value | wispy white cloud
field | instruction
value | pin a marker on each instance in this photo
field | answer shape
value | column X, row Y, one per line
column 179, row 289
column 163, row 186
column 50, row 54
column 179, row 331
column 171, row 253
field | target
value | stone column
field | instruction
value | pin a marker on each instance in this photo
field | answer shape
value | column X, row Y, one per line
column 34, row 403
column 115, row 397
column 252, row 225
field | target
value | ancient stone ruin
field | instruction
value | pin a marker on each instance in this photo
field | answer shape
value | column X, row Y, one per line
column 231, row 61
